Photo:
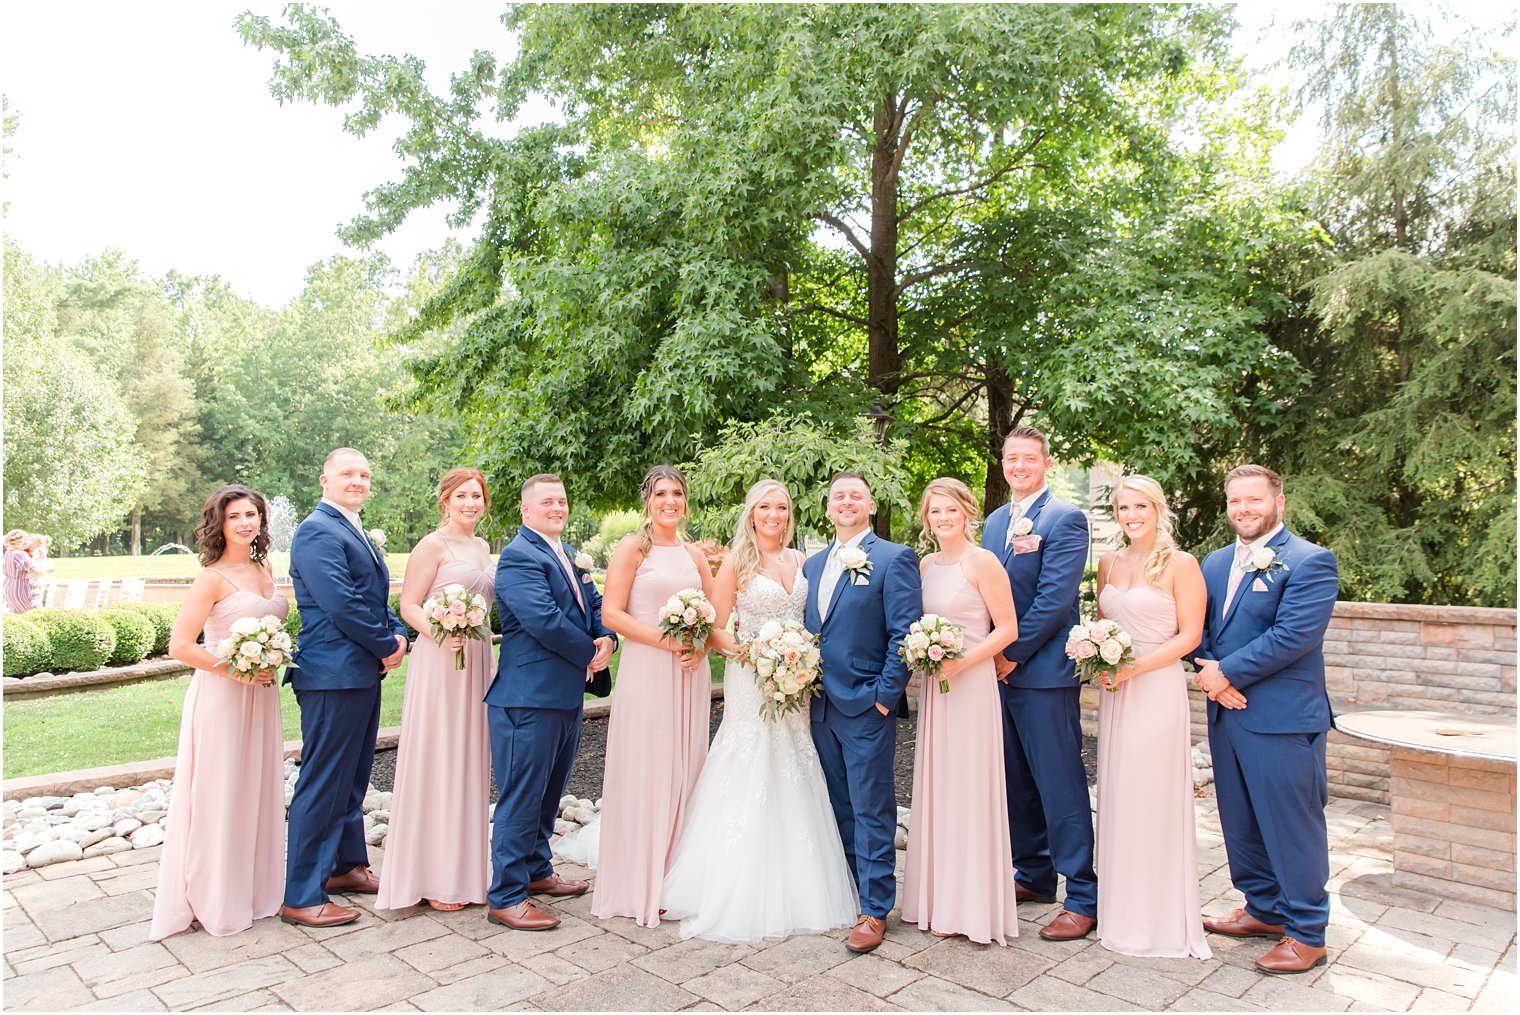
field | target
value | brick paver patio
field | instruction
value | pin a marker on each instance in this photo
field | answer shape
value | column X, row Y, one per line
column 74, row 938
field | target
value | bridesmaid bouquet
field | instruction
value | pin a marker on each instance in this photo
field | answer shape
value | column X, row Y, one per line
column 457, row 610
column 1098, row 646
column 255, row 645
column 931, row 640
column 687, row 616
column 786, row 660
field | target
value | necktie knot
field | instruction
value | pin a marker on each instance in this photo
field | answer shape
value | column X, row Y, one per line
column 1242, row 557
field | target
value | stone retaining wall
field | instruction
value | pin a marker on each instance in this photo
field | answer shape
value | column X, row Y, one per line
column 1382, row 655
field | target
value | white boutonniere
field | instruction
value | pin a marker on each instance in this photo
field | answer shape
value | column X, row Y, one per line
column 1264, row 560
column 377, row 536
column 1023, row 527
column 583, row 561
column 855, row 561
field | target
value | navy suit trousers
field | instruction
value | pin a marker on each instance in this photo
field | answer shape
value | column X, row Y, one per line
column 856, row 752
column 532, row 752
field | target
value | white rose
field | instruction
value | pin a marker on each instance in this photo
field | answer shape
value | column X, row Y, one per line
column 251, row 649
column 281, row 641
column 377, row 536
column 917, row 641
column 769, row 630
column 1078, row 633
column 225, row 646
column 853, row 557
column 765, row 666
column 245, row 626
column 1023, row 527
column 583, row 561
column 1124, row 639
column 271, row 624
column 1263, row 557
column 1111, row 651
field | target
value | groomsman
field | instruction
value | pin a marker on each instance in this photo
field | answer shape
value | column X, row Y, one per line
column 552, row 641
column 1043, row 544
column 349, row 639
column 1262, row 665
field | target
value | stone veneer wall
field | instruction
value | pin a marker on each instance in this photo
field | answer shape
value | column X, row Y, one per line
column 1381, row 655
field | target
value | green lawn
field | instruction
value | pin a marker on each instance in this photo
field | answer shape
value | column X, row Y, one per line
column 171, row 565
column 138, row 722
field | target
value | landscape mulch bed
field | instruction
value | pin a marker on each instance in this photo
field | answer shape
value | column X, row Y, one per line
column 586, row 778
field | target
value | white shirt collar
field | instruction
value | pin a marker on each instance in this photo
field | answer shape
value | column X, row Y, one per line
column 1261, row 541
column 1028, row 502
column 853, row 540
column 352, row 516
column 553, row 541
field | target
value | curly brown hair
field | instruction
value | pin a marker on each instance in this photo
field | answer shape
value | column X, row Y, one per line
column 211, row 540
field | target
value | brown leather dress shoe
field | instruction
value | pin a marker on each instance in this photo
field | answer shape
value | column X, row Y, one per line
column 1068, row 926
column 558, row 887
column 328, row 914
column 1022, row 894
column 1291, row 956
column 523, row 916
column 359, row 881
column 867, row 935
column 1243, row 924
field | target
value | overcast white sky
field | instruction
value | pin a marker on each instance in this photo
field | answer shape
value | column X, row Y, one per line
column 150, row 127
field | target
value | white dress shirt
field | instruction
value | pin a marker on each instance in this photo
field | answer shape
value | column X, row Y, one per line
column 833, row 567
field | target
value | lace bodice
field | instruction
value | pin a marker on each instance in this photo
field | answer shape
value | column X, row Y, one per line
column 764, row 599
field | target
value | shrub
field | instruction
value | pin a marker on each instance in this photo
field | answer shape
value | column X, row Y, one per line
column 411, row 632
column 136, row 634
column 27, row 649
column 293, row 622
column 161, row 616
column 81, row 640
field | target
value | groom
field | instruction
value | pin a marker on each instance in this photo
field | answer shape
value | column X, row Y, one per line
column 349, row 639
column 552, row 640
column 863, row 594
column 1262, row 665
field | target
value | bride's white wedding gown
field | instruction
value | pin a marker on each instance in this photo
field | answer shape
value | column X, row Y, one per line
column 758, row 854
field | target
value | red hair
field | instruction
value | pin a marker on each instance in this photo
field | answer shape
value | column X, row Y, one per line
column 453, row 480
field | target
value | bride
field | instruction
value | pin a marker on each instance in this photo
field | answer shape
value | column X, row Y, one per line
column 758, row 853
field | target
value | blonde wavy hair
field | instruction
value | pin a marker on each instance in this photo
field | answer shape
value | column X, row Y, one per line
column 652, row 479
column 1166, row 543
column 744, row 548
column 960, row 493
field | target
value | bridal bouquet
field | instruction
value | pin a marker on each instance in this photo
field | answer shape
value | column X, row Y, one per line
column 687, row 616
column 457, row 610
column 1098, row 646
column 786, row 660
column 931, row 640
column 255, row 645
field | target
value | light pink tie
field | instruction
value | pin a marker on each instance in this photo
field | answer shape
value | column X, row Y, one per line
column 1237, row 574
column 575, row 586
column 1015, row 512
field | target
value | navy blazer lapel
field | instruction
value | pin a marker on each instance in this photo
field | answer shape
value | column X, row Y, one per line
column 845, row 579
column 548, row 551
column 1275, row 543
column 376, row 558
column 813, row 582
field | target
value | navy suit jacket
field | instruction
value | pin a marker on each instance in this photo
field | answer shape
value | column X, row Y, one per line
column 547, row 638
column 342, row 589
column 1047, row 584
column 1270, row 643
column 868, row 621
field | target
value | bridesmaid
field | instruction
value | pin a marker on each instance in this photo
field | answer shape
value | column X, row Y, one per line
column 223, row 863
column 958, row 877
column 437, row 848
column 20, row 593
column 1147, row 859
column 657, row 740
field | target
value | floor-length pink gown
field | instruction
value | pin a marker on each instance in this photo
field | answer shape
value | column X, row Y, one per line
column 1147, row 846
column 438, row 847
column 656, row 744
column 958, row 876
column 224, row 856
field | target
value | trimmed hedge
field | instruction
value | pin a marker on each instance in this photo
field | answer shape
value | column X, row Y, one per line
column 161, row 615
column 81, row 639
column 27, row 649
column 135, row 635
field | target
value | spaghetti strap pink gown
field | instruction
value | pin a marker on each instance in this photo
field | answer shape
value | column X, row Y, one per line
column 437, row 846
column 656, row 744
column 958, row 876
column 224, row 857
column 1147, row 846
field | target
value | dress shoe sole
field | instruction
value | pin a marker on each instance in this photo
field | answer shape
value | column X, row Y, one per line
column 1290, row 972
column 559, row 895
column 502, row 923
column 862, row 950
column 335, row 889
column 1269, row 935
column 317, row 926
column 1034, row 898
column 1068, row 937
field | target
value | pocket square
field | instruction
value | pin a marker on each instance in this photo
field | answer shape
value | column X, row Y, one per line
column 1026, row 544
column 861, row 580
column 1259, row 586
column 586, row 578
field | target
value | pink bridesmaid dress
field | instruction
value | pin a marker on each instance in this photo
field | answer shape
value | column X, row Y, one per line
column 958, row 876
column 1147, row 847
column 224, row 857
column 438, row 847
column 656, row 744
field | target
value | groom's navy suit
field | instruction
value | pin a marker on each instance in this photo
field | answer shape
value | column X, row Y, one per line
column 342, row 588
column 1049, row 812
column 548, row 638
column 858, row 637
column 1269, row 757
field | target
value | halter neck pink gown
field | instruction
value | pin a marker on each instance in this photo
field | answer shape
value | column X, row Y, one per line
column 224, row 857
column 1147, row 846
column 437, row 846
column 656, row 745
column 958, row 876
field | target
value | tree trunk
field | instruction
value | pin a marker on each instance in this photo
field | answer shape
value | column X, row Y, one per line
column 999, row 422
column 883, row 360
column 136, row 532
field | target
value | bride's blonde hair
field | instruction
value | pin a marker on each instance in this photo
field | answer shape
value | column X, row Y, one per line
column 1165, row 545
column 745, row 546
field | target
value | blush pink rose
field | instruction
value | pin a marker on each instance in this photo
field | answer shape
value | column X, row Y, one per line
column 936, row 653
column 1086, row 650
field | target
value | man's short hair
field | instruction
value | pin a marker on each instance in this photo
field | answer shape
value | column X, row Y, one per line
column 1248, row 471
column 1028, row 433
column 850, row 475
column 532, row 481
column 335, row 452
